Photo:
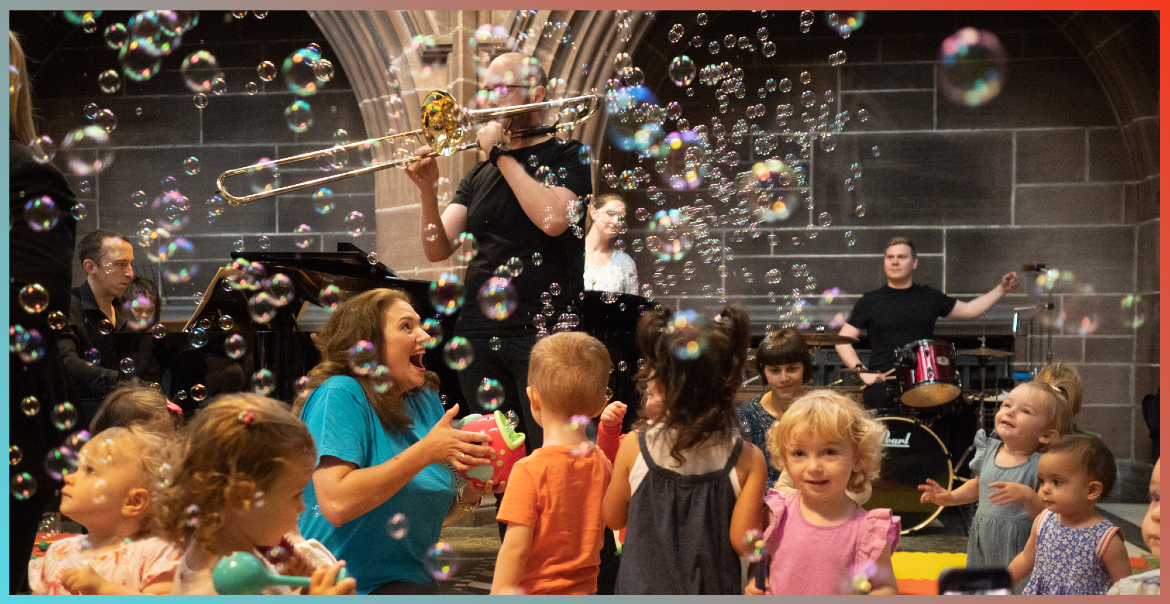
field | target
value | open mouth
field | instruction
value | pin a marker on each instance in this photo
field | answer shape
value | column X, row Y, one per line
column 417, row 360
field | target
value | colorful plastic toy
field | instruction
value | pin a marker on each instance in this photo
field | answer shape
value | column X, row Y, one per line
column 242, row 574
column 507, row 447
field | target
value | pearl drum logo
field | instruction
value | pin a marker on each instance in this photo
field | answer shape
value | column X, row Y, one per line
column 895, row 443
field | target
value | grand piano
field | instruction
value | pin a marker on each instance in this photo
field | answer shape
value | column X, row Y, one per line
column 191, row 374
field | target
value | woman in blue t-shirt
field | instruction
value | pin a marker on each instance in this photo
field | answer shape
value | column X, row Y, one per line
column 380, row 493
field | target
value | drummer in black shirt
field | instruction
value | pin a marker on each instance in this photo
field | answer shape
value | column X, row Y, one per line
column 901, row 312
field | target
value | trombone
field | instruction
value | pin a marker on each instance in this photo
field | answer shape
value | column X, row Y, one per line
column 444, row 125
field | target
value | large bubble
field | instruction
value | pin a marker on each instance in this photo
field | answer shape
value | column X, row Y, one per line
column 137, row 62
column 683, row 164
column 670, row 235
column 199, row 70
column 682, row 70
column 497, row 298
column 447, row 293
column 458, row 353
column 299, row 72
column 629, row 109
column 974, row 65
column 299, row 116
column 87, row 150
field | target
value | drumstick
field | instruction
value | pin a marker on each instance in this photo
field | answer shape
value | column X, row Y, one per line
column 889, row 374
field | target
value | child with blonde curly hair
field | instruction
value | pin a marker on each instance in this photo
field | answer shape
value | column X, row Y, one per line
column 242, row 466
column 111, row 494
column 830, row 447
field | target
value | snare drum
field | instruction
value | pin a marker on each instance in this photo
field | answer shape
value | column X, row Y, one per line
column 912, row 453
column 928, row 373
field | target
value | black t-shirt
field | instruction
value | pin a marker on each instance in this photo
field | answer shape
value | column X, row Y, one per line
column 896, row 317
column 502, row 231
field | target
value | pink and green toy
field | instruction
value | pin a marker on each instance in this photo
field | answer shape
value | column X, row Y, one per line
column 507, row 447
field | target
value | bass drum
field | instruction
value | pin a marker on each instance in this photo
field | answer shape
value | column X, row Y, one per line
column 911, row 454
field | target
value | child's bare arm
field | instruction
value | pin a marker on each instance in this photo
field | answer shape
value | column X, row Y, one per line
column 748, row 514
column 932, row 492
column 1116, row 558
column 1012, row 492
column 511, row 560
column 883, row 583
column 1025, row 560
column 615, row 508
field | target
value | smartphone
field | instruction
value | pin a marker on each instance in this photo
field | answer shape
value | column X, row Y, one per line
column 975, row 581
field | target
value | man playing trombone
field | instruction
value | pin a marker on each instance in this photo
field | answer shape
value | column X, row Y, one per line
column 522, row 203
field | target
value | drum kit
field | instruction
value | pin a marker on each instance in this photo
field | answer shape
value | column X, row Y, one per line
column 927, row 375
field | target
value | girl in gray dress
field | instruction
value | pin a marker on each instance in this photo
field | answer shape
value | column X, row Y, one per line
column 1006, row 466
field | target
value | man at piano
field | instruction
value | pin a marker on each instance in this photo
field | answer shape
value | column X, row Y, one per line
column 523, row 206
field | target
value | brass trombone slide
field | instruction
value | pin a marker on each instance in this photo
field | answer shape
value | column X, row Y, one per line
column 444, row 123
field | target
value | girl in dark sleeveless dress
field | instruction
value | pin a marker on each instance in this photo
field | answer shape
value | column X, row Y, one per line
column 688, row 489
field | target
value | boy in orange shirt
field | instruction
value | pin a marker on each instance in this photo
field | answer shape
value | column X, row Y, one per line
column 553, row 506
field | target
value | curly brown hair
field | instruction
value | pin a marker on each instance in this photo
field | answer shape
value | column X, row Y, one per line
column 144, row 449
column 235, row 447
column 362, row 317
column 699, row 385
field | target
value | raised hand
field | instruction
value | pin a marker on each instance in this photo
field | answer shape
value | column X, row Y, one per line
column 613, row 414
column 932, row 492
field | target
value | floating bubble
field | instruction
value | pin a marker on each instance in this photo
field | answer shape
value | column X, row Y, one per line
column 116, row 36
column 34, row 298
column 30, row 406
column 109, row 81
column 458, row 353
column 299, row 73
column 973, row 66
column 63, row 415
column 433, row 330
column 197, row 337
column 41, row 213
column 494, row 343
column 218, row 86
column 323, row 70
column 363, row 356
column 447, row 293
column 22, row 486
column 141, row 311
column 397, row 526
column 440, row 561
column 251, row 88
column 303, row 238
column 330, row 297
column 192, row 515
column 43, row 149
column 497, row 298
column 490, row 394
column 15, row 455
column 235, row 347
column 198, row 392
column 127, row 365
column 280, row 287
column 138, row 62
column 670, row 235
column 200, row 100
column 298, row 116
column 355, row 223
column 191, row 165
column 87, row 150
column 199, row 70
column 682, row 70
column 263, row 382
column 689, row 342
column 262, row 307
column 266, row 71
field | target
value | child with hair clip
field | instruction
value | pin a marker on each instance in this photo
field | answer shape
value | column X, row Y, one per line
column 110, row 493
column 830, row 447
column 137, row 405
column 688, row 488
column 1073, row 549
column 242, row 466
column 1005, row 466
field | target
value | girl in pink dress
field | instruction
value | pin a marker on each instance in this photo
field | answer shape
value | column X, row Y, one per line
column 830, row 447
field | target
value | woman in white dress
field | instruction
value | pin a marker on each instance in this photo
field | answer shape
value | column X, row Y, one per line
column 606, row 267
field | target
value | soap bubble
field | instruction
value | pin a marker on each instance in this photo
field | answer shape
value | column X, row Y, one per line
column 266, row 71
column 235, row 346
column 192, row 514
column 197, row 337
column 199, row 69
column 116, row 36
column 323, row 201
column 497, row 298
column 59, row 462
column 355, row 223
column 138, row 63
column 56, row 320
column 690, row 341
column 41, row 213
column 63, row 415
column 447, row 293
column 262, row 307
column 303, row 238
column 22, row 486
column 299, row 74
column 440, row 561
column 263, row 382
column 140, row 310
column 490, row 394
column 109, row 81
column 973, row 66
column 397, row 526
column 43, row 149
column 280, row 286
column 30, row 406
column 670, row 235
column 433, row 329
column 127, row 365
column 87, row 150
column 34, row 298
column 330, row 297
column 198, row 392
column 298, row 116
column 458, row 353
column 363, row 356
column 191, row 166
column 15, row 455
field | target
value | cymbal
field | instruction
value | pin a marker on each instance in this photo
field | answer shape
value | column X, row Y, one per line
column 845, row 389
column 983, row 351
column 826, row 339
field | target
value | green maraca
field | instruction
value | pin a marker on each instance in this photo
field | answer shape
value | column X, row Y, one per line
column 242, row 574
